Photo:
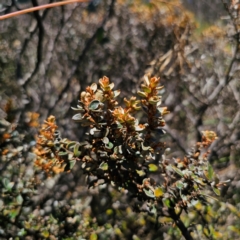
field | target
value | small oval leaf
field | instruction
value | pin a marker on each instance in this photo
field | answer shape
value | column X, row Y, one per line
column 158, row 192
column 94, row 87
column 94, row 105
column 105, row 140
column 166, row 202
column 19, row 199
column 152, row 167
column 77, row 117
column 76, row 151
column 149, row 193
column 216, row 190
column 141, row 173
column 104, row 166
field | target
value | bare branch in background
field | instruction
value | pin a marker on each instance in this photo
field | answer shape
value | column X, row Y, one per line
column 38, row 8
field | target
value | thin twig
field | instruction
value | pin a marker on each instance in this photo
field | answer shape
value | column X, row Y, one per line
column 33, row 9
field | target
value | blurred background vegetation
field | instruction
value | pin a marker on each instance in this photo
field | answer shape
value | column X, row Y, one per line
column 48, row 57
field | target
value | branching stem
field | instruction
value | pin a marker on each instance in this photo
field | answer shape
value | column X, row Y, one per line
column 185, row 232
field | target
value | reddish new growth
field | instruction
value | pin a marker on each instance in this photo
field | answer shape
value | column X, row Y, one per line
column 208, row 137
column 47, row 159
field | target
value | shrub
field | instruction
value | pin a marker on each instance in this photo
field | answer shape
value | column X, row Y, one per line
column 123, row 148
column 45, row 64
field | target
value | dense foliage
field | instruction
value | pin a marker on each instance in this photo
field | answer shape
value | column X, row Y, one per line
column 139, row 188
column 123, row 152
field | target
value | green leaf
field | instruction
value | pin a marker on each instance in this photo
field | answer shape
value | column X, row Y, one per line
column 233, row 209
column 210, row 171
column 158, row 192
column 216, row 190
column 199, row 181
column 140, row 173
column 71, row 144
column 93, row 236
column 152, row 167
column 72, row 164
column 177, row 210
column 203, row 194
column 45, row 233
column 165, row 220
column 22, row 232
column 19, row 199
column 146, row 89
column 105, row 140
column 109, row 211
column 216, row 235
column 178, row 171
column 154, row 100
column 77, row 117
column 153, row 210
column 94, row 105
column 234, row 229
column 145, row 148
column 142, row 94
column 179, row 185
column 13, row 213
column 166, row 202
column 7, row 184
column 76, row 151
column 104, row 166
column 78, row 109
column 62, row 154
column 149, row 193
column 109, row 145
column 209, row 174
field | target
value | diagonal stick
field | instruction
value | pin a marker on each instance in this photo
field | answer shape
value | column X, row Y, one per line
column 33, row 9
